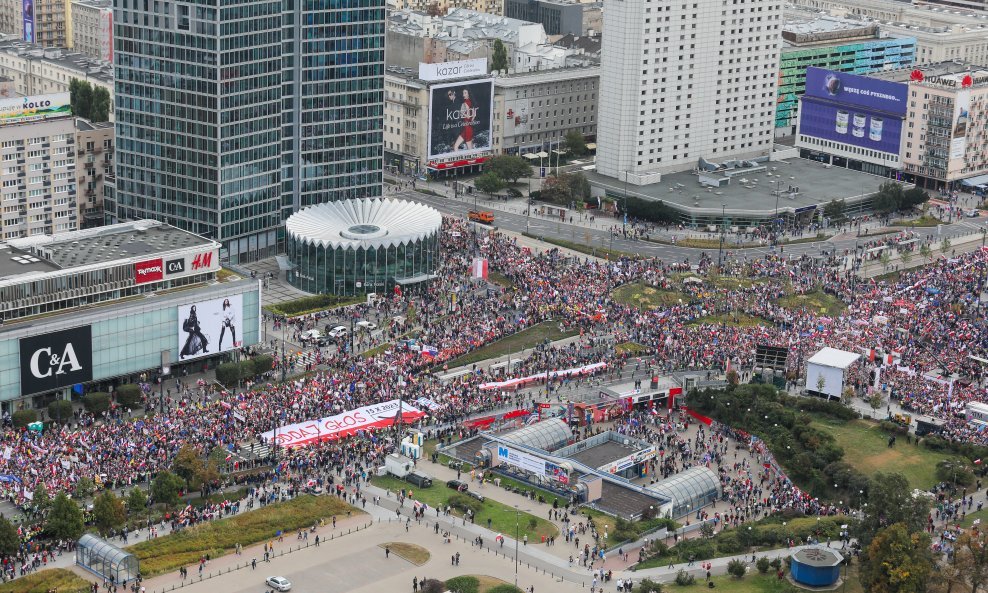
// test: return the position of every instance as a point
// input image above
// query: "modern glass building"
(361, 246)
(689, 490)
(231, 115)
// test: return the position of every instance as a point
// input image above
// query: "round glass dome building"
(364, 245)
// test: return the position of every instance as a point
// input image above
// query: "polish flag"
(479, 268)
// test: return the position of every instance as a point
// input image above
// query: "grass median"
(44, 581)
(641, 295)
(816, 301)
(601, 252)
(516, 342)
(731, 320)
(220, 537)
(502, 516)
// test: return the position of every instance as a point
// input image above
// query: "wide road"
(577, 233)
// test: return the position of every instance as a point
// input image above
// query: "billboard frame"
(487, 125)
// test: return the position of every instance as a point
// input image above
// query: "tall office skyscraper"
(232, 116)
(685, 79)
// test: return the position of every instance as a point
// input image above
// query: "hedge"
(21, 418)
(311, 304)
(96, 403)
(263, 363)
(464, 584)
(129, 396)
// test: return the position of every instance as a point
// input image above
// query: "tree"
(81, 97)
(876, 400)
(108, 512)
(188, 465)
(84, 488)
(489, 183)
(499, 56)
(944, 246)
(575, 143)
(41, 498)
(926, 252)
(888, 198)
(165, 488)
(130, 396)
(847, 396)
(9, 540)
(100, 108)
(762, 565)
(906, 255)
(971, 559)
(136, 501)
(60, 410)
(509, 167)
(897, 561)
(890, 501)
(555, 190)
(228, 374)
(21, 418)
(65, 519)
(96, 403)
(885, 258)
(707, 530)
(835, 209)
(737, 568)
(914, 197)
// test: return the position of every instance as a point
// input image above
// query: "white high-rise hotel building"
(684, 79)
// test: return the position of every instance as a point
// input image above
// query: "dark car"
(457, 485)
(479, 497)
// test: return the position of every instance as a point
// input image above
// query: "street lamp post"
(517, 519)
(723, 227)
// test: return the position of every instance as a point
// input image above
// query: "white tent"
(831, 364)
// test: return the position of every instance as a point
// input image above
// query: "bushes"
(695, 549)
(96, 403)
(229, 374)
(737, 568)
(651, 210)
(957, 472)
(431, 586)
(313, 303)
(684, 579)
(463, 503)
(129, 396)
(60, 410)
(762, 565)
(464, 584)
(650, 586)
(892, 427)
(263, 363)
(21, 418)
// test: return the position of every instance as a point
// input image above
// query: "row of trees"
(92, 103)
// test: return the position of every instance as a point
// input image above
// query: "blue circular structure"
(816, 567)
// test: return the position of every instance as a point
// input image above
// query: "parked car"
(366, 325)
(457, 485)
(419, 479)
(279, 583)
(311, 335)
(473, 494)
(337, 332)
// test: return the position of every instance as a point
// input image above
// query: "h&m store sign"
(157, 269)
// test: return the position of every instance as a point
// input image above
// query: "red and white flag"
(479, 268)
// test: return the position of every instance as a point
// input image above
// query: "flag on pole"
(429, 351)
(479, 268)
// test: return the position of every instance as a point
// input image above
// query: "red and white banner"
(479, 268)
(148, 271)
(522, 381)
(342, 425)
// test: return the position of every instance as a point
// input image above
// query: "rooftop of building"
(931, 20)
(460, 24)
(513, 79)
(947, 69)
(94, 3)
(752, 193)
(589, 44)
(84, 125)
(91, 68)
(77, 249)
(601, 454)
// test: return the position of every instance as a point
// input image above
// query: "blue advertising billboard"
(28, 19)
(865, 128)
(857, 91)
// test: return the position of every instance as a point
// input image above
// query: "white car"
(366, 325)
(337, 332)
(311, 334)
(279, 583)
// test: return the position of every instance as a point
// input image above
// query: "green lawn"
(217, 538)
(376, 350)
(632, 348)
(815, 301)
(500, 279)
(731, 320)
(501, 515)
(753, 582)
(637, 295)
(975, 515)
(516, 342)
(44, 581)
(313, 304)
(866, 448)
(922, 221)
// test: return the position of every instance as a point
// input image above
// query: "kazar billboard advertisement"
(858, 91)
(460, 118)
(210, 327)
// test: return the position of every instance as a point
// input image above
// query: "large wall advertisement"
(106, 35)
(516, 114)
(962, 116)
(27, 14)
(460, 118)
(56, 360)
(23, 109)
(855, 110)
(210, 327)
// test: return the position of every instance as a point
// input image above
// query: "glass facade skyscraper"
(231, 115)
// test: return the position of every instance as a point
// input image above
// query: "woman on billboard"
(468, 116)
(196, 342)
(229, 318)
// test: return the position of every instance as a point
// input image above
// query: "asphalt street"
(577, 232)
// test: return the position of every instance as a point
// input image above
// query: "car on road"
(366, 325)
(337, 332)
(457, 485)
(279, 583)
(311, 335)
(972, 213)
